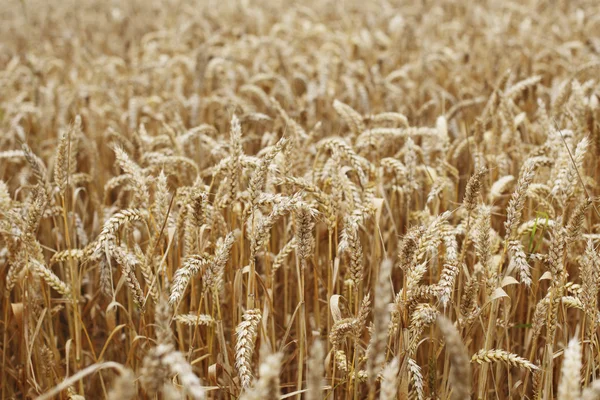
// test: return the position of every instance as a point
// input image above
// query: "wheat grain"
(381, 319)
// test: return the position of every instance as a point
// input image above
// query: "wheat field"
(330, 200)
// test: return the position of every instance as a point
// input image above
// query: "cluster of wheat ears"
(335, 200)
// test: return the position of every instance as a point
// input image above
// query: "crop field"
(253, 199)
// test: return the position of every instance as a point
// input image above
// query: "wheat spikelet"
(49, 277)
(423, 316)
(462, 105)
(473, 189)
(381, 319)
(322, 198)
(129, 264)
(590, 279)
(569, 386)
(409, 246)
(5, 200)
(12, 154)
(352, 118)
(592, 392)
(296, 129)
(82, 236)
(562, 96)
(123, 386)
(136, 177)
(264, 226)
(81, 179)
(246, 333)
(111, 227)
(35, 211)
(344, 151)
(410, 161)
(341, 329)
(497, 355)
(163, 361)
(304, 236)
(213, 278)
(450, 271)
(281, 257)
(350, 243)
(432, 236)
(341, 360)
(162, 318)
(446, 283)
(37, 165)
(541, 310)
(179, 366)
(518, 261)
(416, 377)
(342, 364)
(235, 168)
(351, 326)
(517, 202)
(267, 386)
(161, 199)
(194, 217)
(259, 176)
(498, 187)
(389, 117)
(556, 254)
(195, 320)
(395, 166)
(61, 162)
(389, 381)
(482, 236)
(191, 267)
(568, 179)
(49, 362)
(12, 276)
(316, 371)
(460, 373)
(575, 224)
(516, 89)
